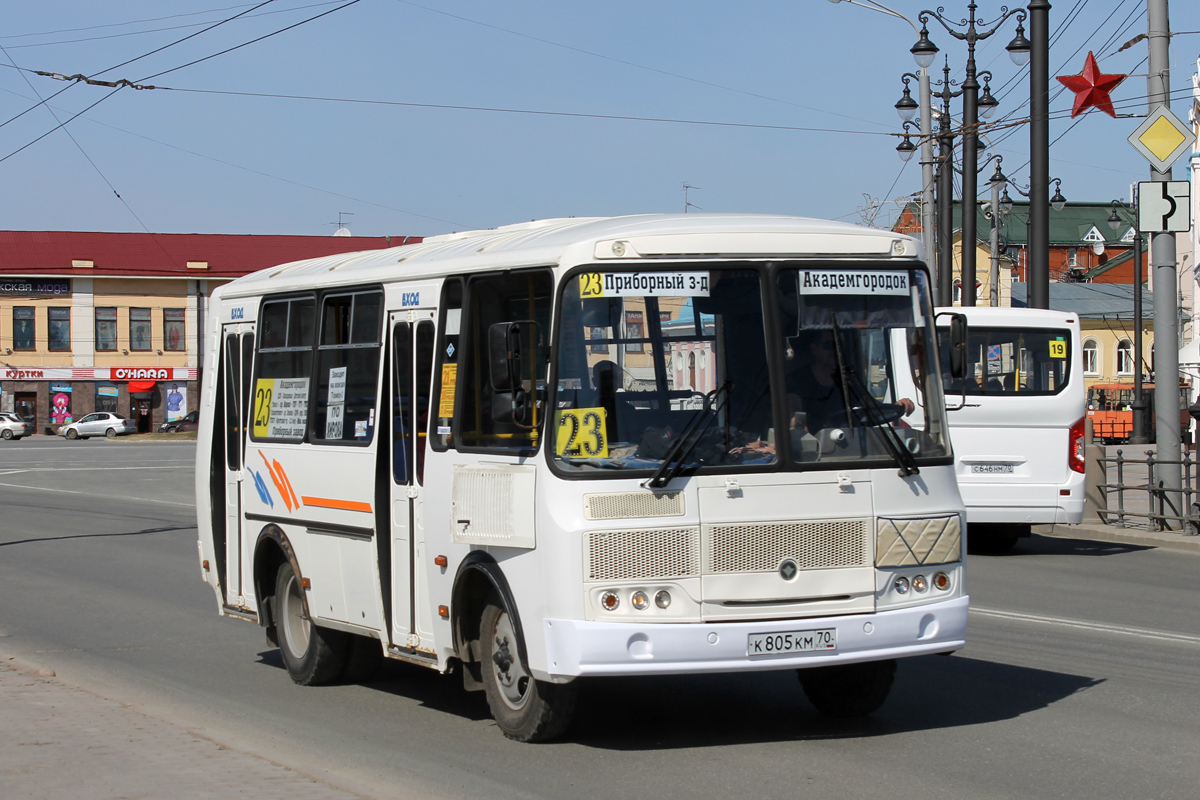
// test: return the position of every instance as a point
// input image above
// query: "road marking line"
(144, 466)
(1093, 626)
(56, 490)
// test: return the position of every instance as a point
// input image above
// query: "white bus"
(584, 447)
(1017, 421)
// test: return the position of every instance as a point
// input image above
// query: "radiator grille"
(633, 505)
(812, 545)
(642, 554)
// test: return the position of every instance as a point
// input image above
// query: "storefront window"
(106, 397)
(60, 328)
(174, 329)
(24, 327)
(139, 329)
(106, 331)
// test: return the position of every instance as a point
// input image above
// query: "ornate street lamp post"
(973, 105)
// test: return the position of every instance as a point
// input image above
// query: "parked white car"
(99, 423)
(13, 427)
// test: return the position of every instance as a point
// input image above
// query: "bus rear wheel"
(851, 690)
(525, 709)
(312, 655)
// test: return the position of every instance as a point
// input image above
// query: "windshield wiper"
(875, 415)
(683, 446)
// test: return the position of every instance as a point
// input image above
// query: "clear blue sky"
(209, 162)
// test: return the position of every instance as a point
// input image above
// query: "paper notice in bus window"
(853, 282)
(582, 433)
(280, 408)
(335, 399)
(449, 384)
(1058, 348)
(643, 284)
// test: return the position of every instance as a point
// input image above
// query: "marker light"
(662, 599)
(639, 601)
(609, 601)
(941, 581)
(901, 585)
(919, 584)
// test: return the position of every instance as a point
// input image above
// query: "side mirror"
(516, 355)
(958, 346)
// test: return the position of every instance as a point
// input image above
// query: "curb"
(1168, 540)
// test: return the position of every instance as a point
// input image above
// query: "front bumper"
(577, 647)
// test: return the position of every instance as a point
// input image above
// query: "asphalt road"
(1081, 677)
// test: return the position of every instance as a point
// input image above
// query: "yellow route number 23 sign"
(581, 433)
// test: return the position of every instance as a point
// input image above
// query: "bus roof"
(555, 241)
(1012, 317)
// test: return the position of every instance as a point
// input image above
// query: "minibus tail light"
(1075, 457)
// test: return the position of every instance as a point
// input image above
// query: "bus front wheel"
(525, 709)
(852, 690)
(312, 655)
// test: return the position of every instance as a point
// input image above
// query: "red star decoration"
(1091, 88)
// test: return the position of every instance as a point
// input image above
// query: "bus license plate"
(764, 644)
(992, 469)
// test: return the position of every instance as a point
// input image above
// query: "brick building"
(112, 321)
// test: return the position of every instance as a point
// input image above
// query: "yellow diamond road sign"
(1162, 138)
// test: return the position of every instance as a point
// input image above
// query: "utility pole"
(1162, 264)
(1039, 154)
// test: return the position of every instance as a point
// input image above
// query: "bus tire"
(312, 655)
(525, 709)
(851, 690)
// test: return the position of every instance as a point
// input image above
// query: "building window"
(60, 328)
(634, 329)
(139, 329)
(1091, 357)
(106, 330)
(24, 328)
(1073, 257)
(174, 329)
(1124, 357)
(106, 397)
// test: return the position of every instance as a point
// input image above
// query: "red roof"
(167, 254)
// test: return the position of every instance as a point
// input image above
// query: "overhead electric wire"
(121, 24)
(160, 30)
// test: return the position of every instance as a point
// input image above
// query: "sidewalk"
(65, 743)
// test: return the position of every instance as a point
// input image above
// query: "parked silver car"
(13, 427)
(99, 423)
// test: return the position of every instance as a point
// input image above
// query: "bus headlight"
(639, 601)
(901, 585)
(919, 584)
(662, 599)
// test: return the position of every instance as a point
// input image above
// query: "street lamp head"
(1113, 220)
(1058, 202)
(1006, 203)
(906, 107)
(987, 103)
(906, 148)
(924, 51)
(1019, 48)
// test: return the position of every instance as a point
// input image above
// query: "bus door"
(237, 353)
(412, 337)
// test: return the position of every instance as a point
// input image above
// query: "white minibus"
(659, 444)
(1017, 421)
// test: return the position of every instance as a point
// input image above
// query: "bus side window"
(486, 419)
(348, 353)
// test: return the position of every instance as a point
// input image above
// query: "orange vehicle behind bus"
(1110, 408)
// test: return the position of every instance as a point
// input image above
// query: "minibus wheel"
(850, 690)
(313, 655)
(525, 709)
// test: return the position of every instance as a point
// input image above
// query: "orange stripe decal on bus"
(344, 505)
(287, 482)
(279, 484)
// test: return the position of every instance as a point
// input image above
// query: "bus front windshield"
(680, 367)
